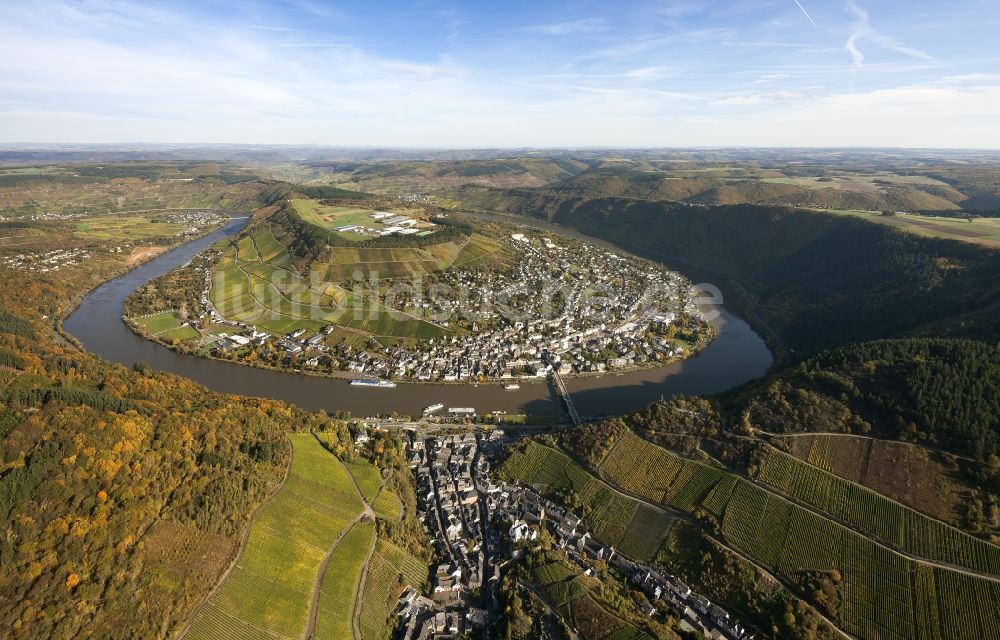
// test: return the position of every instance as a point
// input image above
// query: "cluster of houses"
(526, 511)
(46, 261)
(613, 313)
(452, 487)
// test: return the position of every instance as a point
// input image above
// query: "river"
(737, 355)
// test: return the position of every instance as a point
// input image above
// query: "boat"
(437, 406)
(378, 384)
(512, 387)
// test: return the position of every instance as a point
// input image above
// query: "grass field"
(269, 591)
(160, 322)
(335, 615)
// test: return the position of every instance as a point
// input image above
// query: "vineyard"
(614, 519)
(269, 591)
(335, 614)
(571, 594)
(389, 572)
(644, 469)
(888, 521)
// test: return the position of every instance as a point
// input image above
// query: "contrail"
(805, 12)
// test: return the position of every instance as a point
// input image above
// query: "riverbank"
(735, 356)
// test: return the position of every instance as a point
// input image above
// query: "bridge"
(564, 394)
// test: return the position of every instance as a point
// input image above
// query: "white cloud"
(585, 25)
(756, 98)
(861, 30)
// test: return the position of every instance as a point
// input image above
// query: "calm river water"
(737, 355)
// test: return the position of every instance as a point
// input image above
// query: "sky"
(670, 73)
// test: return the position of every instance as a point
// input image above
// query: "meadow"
(269, 591)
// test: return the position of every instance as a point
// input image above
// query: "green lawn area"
(160, 322)
(269, 591)
(181, 333)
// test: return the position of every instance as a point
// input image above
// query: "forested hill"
(944, 393)
(817, 280)
(122, 492)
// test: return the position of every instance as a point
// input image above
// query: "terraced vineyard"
(646, 470)
(254, 282)
(614, 519)
(387, 505)
(571, 594)
(882, 594)
(335, 612)
(886, 520)
(390, 571)
(269, 591)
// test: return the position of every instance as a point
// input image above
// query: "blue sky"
(914, 73)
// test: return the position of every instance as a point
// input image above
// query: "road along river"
(737, 355)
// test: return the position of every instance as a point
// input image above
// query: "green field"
(884, 519)
(390, 571)
(577, 599)
(335, 614)
(160, 322)
(269, 591)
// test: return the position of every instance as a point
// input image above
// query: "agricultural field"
(125, 227)
(921, 479)
(83, 189)
(644, 469)
(877, 588)
(254, 282)
(332, 218)
(613, 518)
(387, 505)
(886, 520)
(984, 231)
(575, 597)
(341, 583)
(367, 477)
(269, 591)
(390, 571)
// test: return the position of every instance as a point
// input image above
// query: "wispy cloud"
(862, 30)
(805, 12)
(585, 25)
(757, 98)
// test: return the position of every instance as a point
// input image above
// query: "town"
(573, 308)
(478, 526)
